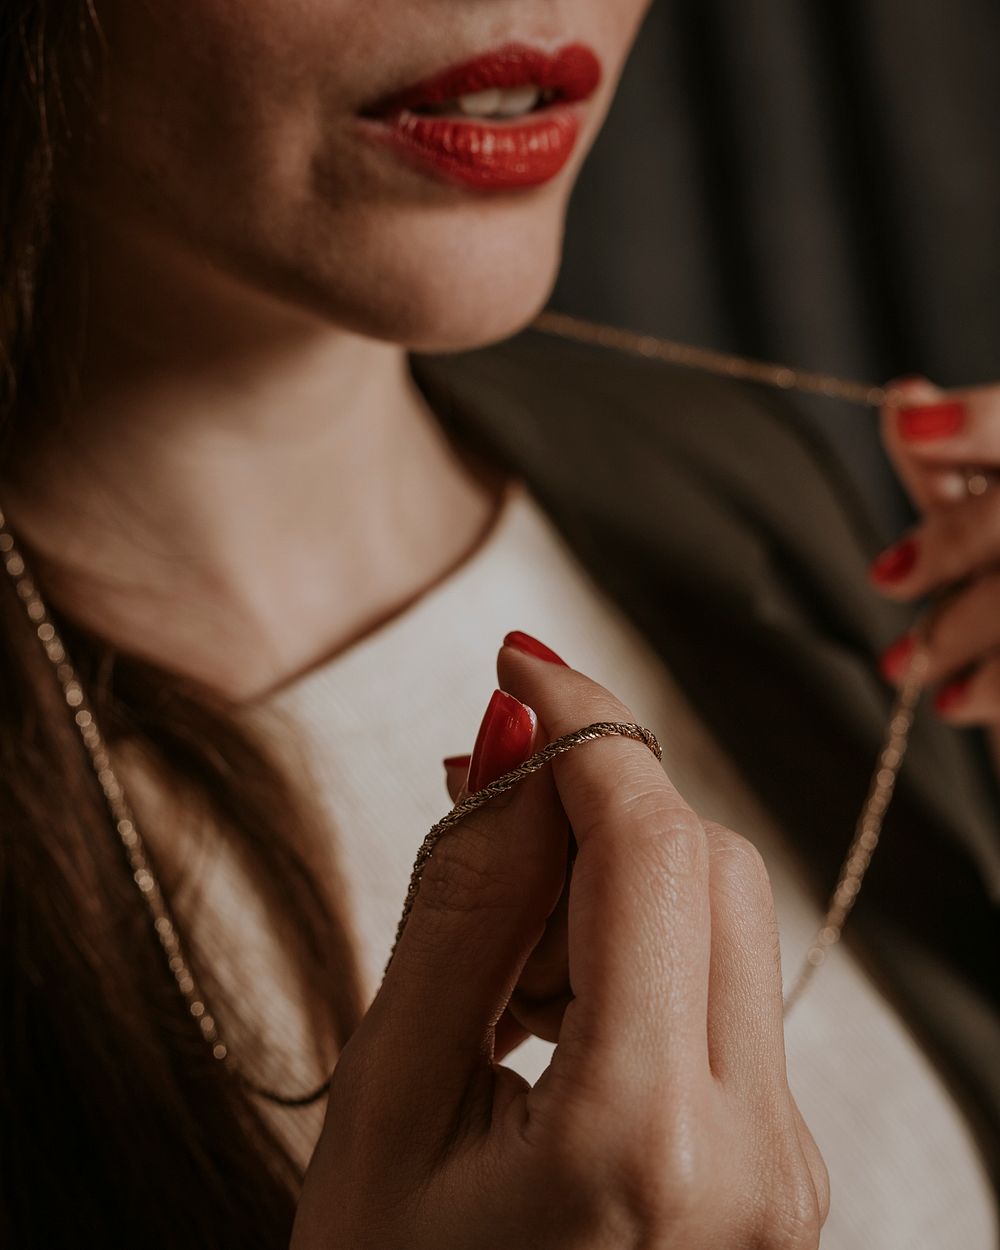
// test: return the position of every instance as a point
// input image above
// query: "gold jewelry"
(868, 829)
(562, 325)
(977, 480)
(499, 785)
(869, 823)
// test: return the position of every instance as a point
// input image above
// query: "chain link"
(562, 325)
(868, 829)
(140, 863)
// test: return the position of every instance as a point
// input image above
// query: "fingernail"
(894, 563)
(930, 421)
(524, 642)
(895, 658)
(456, 772)
(950, 696)
(503, 740)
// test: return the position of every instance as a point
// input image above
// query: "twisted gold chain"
(500, 785)
(868, 829)
(725, 365)
(140, 863)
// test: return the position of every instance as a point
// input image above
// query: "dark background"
(810, 181)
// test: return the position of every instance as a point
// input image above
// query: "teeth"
(481, 103)
(516, 100)
(499, 102)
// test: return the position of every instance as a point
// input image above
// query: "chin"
(439, 305)
(444, 281)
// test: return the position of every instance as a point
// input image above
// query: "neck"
(240, 489)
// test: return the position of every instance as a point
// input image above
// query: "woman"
(227, 227)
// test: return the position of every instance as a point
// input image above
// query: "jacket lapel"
(740, 551)
(725, 535)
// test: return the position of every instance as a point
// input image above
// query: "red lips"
(492, 154)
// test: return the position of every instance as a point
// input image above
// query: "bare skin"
(250, 481)
(240, 510)
(664, 1119)
(935, 439)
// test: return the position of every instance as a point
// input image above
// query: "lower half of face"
(398, 167)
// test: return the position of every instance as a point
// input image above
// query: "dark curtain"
(810, 181)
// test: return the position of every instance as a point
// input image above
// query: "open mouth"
(504, 120)
(494, 103)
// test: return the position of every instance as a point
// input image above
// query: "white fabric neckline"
(375, 721)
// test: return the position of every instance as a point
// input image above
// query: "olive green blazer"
(739, 547)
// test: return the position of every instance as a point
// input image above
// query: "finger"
(963, 630)
(539, 999)
(483, 899)
(456, 770)
(974, 697)
(929, 485)
(746, 1011)
(638, 934)
(508, 1035)
(543, 989)
(814, 1161)
(948, 546)
(954, 429)
(746, 1041)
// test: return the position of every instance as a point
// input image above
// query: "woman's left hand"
(946, 448)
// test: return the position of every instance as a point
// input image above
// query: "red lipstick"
(494, 153)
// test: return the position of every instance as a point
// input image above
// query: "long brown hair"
(117, 1127)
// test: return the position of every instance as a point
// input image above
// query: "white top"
(375, 722)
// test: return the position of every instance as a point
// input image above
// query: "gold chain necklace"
(867, 830)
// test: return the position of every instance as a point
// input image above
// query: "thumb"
(481, 906)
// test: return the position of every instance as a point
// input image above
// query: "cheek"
(202, 87)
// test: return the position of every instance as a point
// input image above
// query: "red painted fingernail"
(524, 642)
(503, 740)
(950, 696)
(895, 658)
(930, 421)
(456, 761)
(894, 564)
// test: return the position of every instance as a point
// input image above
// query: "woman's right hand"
(664, 1118)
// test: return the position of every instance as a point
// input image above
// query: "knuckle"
(948, 542)
(655, 1162)
(795, 1219)
(662, 1177)
(964, 623)
(667, 1186)
(821, 1184)
(664, 842)
(737, 865)
(666, 1178)
(960, 538)
(647, 820)
(465, 874)
(945, 635)
(792, 1206)
(659, 816)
